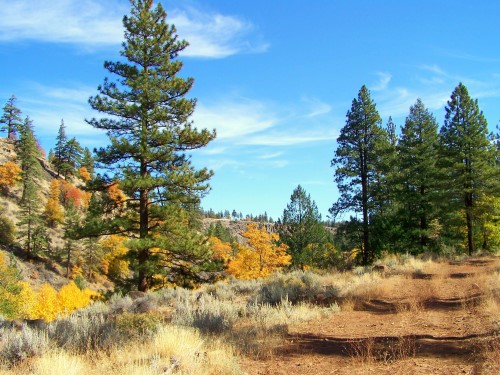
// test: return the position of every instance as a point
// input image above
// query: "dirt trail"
(438, 324)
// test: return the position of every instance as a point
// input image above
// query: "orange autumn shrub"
(116, 194)
(75, 196)
(84, 174)
(10, 173)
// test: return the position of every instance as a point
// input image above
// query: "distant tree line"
(237, 215)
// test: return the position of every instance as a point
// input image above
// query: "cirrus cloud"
(95, 24)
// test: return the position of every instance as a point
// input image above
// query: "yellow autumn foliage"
(221, 250)
(114, 264)
(71, 298)
(84, 174)
(46, 306)
(262, 257)
(25, 301)
(10, 173)
(53, 210)
(19, 301)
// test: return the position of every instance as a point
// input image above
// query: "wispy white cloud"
(242, 121)
(235, 118)
(47, 105)
(383, 81)
(316, 107)
(271, 155)
(213, 150)
(290, 138)
(471, 57)
(434, 87)
(215, 35)
(86, 22)
(278, 163)
(93, 23)
(220, 163)
(433, 68)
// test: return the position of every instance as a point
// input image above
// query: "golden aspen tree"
(10, 173)
(71, 298)
(46, 306)
(25, 301)
(262, 257)
(114, 263)
(221, 250)
(84, 174)
(53, 210)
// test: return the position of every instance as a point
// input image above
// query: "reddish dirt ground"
(435, 322)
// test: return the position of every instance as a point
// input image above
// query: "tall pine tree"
(356, 160)
(418, 177)
(467, 157)
(60, 149)
(28, 153)
(150, 132)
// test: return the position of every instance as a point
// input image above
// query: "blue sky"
(275, 78)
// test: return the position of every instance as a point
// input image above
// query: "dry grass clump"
(294, 286)
(367, 351)
(207, 313)
(366, 286)
(406, 264)
(171, 350)
(17, 346)
(58, 362)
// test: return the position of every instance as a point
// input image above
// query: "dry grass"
(59, 363)
(171, 350)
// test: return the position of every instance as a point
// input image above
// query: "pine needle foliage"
(150, 132)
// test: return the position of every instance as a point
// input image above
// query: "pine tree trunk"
(28, 247)
(468, 218)
(68, 260)
(423, 223)
(143, 255)
(364, 202)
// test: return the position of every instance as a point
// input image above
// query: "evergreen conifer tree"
(467, 157)
(60, 149)
(418, 177)
(28, 153)
(72, 157)
(150, 132)
(11, 118)
(88, 160)
(356, 159)
(302, 230)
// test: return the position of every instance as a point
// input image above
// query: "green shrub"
(134, 326)
(7, 231)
